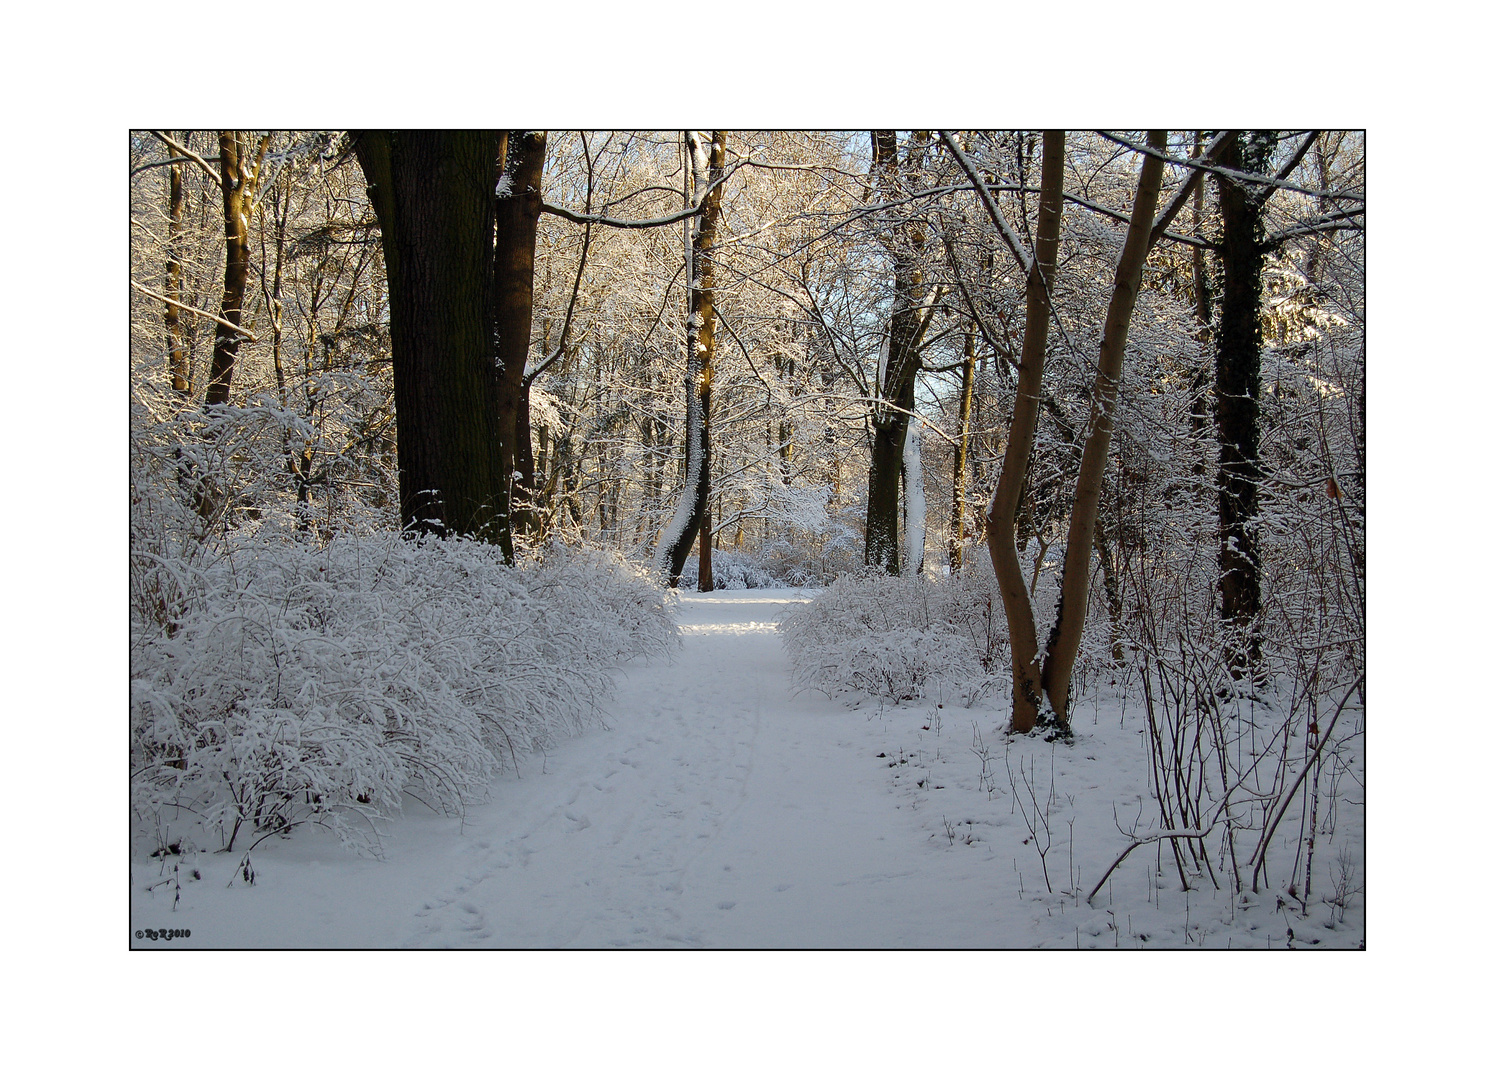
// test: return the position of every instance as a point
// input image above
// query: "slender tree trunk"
(434, 194)
(240, 176)
(1074, 596)
(1237, 390)
(176, 349)
(1001, 515)
(958, 481)
(518, 216)
(707, 166)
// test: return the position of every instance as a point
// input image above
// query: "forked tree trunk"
(1074, 596)
(1001, 515)
(707, 166)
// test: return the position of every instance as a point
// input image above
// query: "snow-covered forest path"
(717, 811)
(713, 809)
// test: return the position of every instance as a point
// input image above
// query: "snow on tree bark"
(707, 166)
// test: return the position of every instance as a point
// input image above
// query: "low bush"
(899, 638)
(275, 683)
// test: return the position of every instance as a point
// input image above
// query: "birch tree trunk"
(707, 165)
(1074, 596)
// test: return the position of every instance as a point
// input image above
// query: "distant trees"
(488, 333)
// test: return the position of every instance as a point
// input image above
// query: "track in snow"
(716, 811)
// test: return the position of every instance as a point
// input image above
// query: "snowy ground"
(717, 810)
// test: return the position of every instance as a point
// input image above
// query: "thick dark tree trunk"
(518, 215)
(434, 194)
(1199, 406)
(898, 368)
(1238, 386)
(707, 165)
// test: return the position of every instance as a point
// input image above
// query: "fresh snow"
(717, 810)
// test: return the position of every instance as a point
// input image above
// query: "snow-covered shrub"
(288, 683)
(731, 570)
(898, 638)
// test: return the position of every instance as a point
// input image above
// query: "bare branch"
(176, 147)
(581, 265)
(196, 311)
(1210, 155)
(1332, 223)
(1230, 174)
(1298, 155)
(650, 223)
(1024, 259)
(616, 223)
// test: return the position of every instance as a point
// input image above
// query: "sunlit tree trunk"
(240, 177)
(1001, 516)
(1074, 597)
(176, 350)
(707, 164)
